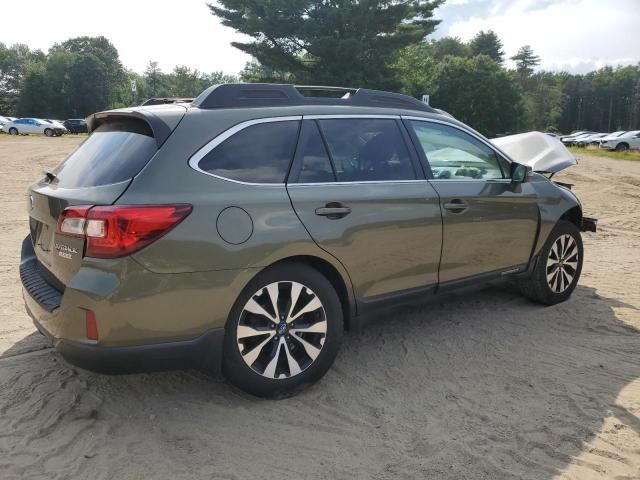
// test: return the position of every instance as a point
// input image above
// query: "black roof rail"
(238, 95)
(166, 100)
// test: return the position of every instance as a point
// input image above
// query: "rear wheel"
(622, 147)
(558, 267)
(284, 331)
(13, 131)
(48, 132)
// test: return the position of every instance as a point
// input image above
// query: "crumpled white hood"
(535, 149)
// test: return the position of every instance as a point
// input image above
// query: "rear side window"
(114, 152)
(367, 149)
(260, 153)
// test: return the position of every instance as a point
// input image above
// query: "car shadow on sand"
(478, 384)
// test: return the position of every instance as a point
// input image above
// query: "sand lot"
(479, 385)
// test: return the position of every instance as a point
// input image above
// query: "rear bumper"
(204, 351)
(175, 321)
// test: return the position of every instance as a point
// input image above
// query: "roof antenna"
(425, 99)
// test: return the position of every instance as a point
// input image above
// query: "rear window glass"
(115, 151)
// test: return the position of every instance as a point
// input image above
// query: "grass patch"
(600, 152)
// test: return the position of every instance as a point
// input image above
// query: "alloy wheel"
(562, 263)
(281, 330)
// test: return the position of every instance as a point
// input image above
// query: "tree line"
(380, 44)
(84, 75)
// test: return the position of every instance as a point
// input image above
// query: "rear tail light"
(119, 230)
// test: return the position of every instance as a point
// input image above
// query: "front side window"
(259, 153)
(367, 149)
(455, 155)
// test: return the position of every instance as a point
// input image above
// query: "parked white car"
(574, 135)
(570, 140)
(57, 123)
(626, 141)
(611, 136)
(26, 126)
(589, 139)
(3, 122)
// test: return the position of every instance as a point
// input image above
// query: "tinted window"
(454, 154)
(366, 149)
(315, 165)
(114, 152)
(258, 154)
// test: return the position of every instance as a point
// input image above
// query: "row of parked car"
(45, 126)
(621, 140)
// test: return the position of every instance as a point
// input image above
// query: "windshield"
(115, 151)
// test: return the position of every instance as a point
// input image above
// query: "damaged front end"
(545, 155)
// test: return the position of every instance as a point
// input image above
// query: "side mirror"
(519, 172)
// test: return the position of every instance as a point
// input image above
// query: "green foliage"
(15, 61)
(525, 60)
(476, 91)
(77, 77)
(329, 42)
(487, 43)
(438, 49)
(600, 152)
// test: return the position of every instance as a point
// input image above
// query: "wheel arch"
(337, 279)
(573, 215)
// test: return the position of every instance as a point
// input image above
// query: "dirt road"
(480, 385)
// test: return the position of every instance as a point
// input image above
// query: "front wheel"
(283, 332)
(558, 266)
(13, 131)
(48, 132)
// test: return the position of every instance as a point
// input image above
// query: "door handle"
(333, 211)
(456, 206)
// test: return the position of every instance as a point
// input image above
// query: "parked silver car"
(28, 126)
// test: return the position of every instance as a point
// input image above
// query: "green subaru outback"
(251, 227)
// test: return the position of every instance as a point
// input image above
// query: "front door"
(489, 226)
(362, 196)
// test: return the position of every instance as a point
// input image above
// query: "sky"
(572, 35)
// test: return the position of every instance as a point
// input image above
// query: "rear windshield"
(115, 151)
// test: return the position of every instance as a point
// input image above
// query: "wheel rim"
(562, 263)
(281, 330)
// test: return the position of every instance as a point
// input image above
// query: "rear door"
(96, 173)
(489, 225)
(357, 187)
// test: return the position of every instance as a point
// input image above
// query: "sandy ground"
(479, 385)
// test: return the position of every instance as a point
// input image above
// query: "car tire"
(622, 147)
(48, 132)
(298, 345)
(13, 131)
(558, 266)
